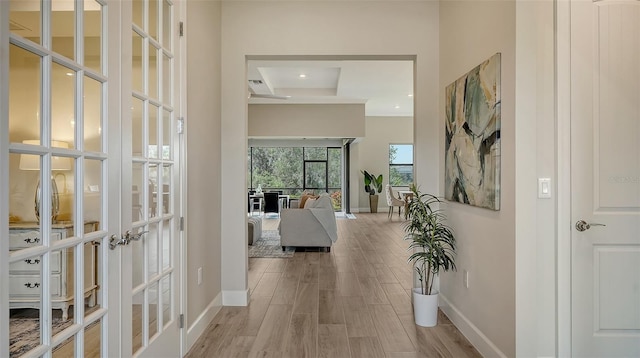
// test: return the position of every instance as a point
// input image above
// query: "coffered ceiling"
(385, 86)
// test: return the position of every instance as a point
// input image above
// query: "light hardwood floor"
(352, 302)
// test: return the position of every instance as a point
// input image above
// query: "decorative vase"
(373, 203)
(425, 308)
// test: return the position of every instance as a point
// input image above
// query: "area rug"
(25, 333)
(269, 246)
(24, 328)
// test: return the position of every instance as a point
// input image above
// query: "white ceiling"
(386, 87)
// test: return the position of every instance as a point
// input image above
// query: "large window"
(292, 170)
(276, 168)
(400, 164)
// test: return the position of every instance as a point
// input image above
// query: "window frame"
(392, 165)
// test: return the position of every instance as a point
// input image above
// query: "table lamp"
(32, 162)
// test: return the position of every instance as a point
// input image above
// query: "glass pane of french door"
(154, 175)
(57, 178)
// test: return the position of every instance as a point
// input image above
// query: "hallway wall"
(470, 33)
(510, 306)
(203, 137)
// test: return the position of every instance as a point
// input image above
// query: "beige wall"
(470, 33)
(510, 254)
(306, 120)
(203, 130)
(371, 153)
(361, 28)
(536, 149)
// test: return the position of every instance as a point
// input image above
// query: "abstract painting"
(472, 144)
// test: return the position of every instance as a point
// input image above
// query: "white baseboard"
(202, 322)
(235, 298)
(469, 330)
(381, 209)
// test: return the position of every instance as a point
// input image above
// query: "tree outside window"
(400, 164)
(284, 169)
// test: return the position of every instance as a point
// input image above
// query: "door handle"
(114, 241)
(582, 225)
(134, 237)
(125, 239)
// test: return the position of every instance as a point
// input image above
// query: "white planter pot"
(425, 308)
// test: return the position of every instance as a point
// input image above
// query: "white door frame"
(181, 72)
(563, 145)
(4, 177)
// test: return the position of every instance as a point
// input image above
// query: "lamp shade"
(32, 162)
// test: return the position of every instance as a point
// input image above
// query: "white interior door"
(151, 181)
(605, 178)
(61, 213)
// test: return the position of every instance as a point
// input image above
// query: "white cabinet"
(25, 276)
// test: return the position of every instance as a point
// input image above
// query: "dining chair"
(255, 204)
(271, 203)
(392, 201)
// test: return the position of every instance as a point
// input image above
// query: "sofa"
(314, 225)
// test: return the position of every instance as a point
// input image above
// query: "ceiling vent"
(259, 89)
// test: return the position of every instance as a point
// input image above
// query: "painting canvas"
(472, 149)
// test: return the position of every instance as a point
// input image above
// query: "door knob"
(582, 225)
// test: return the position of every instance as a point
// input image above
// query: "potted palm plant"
(371, 184)
(432, 246)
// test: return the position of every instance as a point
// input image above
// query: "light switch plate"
(544, 188)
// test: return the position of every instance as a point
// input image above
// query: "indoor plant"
(432, 251)
(371, 184)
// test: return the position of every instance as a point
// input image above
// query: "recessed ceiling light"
(69, 74)
(396, 107)
(410, 95)
(302, 75)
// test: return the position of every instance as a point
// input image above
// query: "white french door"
(151, 180)
(89, 152)
(605, 178)
(58, 144)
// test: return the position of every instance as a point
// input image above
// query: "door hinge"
(180, 125)
(181, 29)
(181, 320)
(181, 225)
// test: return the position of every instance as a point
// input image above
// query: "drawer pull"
(32, 261)
(32, 285)
(32, 241)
